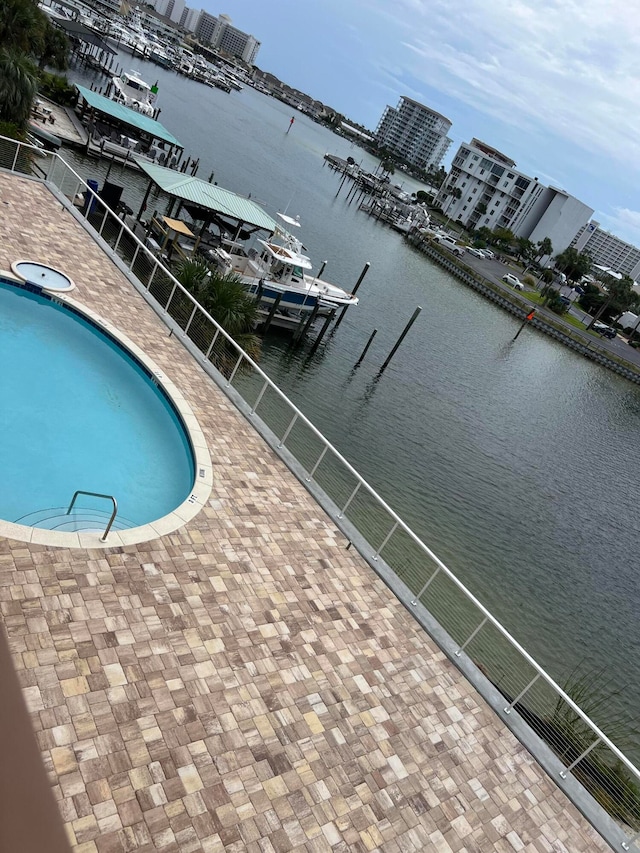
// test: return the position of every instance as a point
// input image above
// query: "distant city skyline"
(552, 85)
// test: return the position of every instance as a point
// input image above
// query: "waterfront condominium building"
(220, 34)
(190, 18)
(171, 9)
(415, 133)
(607, 250)
(484, 188)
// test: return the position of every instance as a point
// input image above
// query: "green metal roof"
(208, 196)
(127, 116)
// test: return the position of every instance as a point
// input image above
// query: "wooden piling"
(365, 270)
(401, 338)
(364, 351)
(271, 313)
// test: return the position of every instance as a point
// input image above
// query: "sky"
(553, 84)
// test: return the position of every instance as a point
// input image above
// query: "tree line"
(29, 43)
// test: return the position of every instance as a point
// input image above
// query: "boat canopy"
(125, 115)
(75, 29)
(287, 255)
(206, 200)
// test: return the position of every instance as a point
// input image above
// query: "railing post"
(288, 430)
(318, 461)
(117, 243)
(235, 369)
(135, 257)
(414, 601)
(153, 272)
(385, 540)
(515, 701)
(260, 395)
(173, 290)
(104, 221)
(471, 636)
(351, 497)
(563, 773)
(193, 314)
(211, 345)
(15, 157)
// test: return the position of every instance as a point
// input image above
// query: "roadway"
(494, 270)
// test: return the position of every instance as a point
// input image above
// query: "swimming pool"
(84, 409)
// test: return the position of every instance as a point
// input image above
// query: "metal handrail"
(111, 498)
(397, 521)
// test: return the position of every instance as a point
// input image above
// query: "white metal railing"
(583, 748)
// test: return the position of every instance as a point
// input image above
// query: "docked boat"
(132, 91)
(276, 269)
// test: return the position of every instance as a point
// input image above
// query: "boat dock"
(60, 121)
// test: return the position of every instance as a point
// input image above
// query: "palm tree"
(545, 248)
(21, 26)
(225, 298)
(55, 49)
(18, 86)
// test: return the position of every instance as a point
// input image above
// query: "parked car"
(604, 330)
(565, 301)
(477, 253)
(487, 253)
(513, 280)
(579, 290)
(449, 243)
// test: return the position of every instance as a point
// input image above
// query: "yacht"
(132, 91)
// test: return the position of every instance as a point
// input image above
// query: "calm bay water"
(514, 462)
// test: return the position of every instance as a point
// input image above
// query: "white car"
(487, 253)
(513, 280)
(447, 242)
(477, 253)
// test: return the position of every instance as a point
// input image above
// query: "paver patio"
(246, 683)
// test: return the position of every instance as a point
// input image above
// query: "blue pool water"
(79, 413)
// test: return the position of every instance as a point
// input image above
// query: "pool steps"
(82, 519)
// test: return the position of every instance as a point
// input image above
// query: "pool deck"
(246, 683)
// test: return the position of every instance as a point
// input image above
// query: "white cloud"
(567, 68)
(623, 222)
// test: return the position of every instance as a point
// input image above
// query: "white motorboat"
(278, 268)
(132, 91)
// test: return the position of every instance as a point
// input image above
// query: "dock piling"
(272, 311)
(400, 339)
(365, 270)
(364, 351)
(323, 330)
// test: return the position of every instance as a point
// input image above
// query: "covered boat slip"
(234, 217)
(116, 129)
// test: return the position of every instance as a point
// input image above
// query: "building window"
(511, 176)
(469, 199)
(475, 190)
(482, 171)
(465, 207)
(492, 212)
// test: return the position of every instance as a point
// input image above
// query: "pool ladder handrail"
(111, 498)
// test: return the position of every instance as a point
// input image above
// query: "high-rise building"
(607, 250)
(220, 34)
(190, 18)
(484, 188)
(415, 133)
(206, 28)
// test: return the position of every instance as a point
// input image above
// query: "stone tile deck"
(246, 683)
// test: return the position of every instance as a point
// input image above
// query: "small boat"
(277, 268)
(132, 91)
